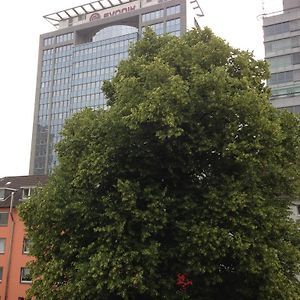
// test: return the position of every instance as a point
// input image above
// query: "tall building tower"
(282, 51)
(89, 42)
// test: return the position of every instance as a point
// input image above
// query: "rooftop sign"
(111, 8)
(114, 11)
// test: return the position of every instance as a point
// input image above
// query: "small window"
(21, 298)
(25, 275)
(2, 245)
(26, 246)
(3, 218)
(1, 273)
(2, 193)
(81, 17)
(27, 192)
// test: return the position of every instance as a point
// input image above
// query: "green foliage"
(190, 171)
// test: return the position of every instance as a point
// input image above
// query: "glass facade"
(73, 67)
(282, 52)
(71, 79)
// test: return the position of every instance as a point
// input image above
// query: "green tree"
(190, 171)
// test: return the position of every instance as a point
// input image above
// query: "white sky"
(21, 23)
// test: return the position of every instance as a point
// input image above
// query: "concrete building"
(282, 51)
(14, 246)
(89, 42)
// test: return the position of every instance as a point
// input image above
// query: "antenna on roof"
(263, 7)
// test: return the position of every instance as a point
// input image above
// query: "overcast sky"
(21, 23)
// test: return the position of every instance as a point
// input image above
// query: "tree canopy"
(189, 175)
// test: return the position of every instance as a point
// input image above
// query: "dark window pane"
(3, 218)
(25, 275)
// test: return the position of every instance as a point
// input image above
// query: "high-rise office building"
(282, 51)
(89, 42)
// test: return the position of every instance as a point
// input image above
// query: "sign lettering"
(119, 11)
(113, 11)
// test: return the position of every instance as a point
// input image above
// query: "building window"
(153, 15)
(20, 298)
(282, 44)
(48, 41)
(2, 245)
(26, 246)
(2, 193)
(25, 275)
(280, 61)
(26, 193)
(282, 77)
(3, 218)
(277, 28)
(296, 58)
(173, 26)
(65, 37)
(158, 28)
(1, 273)
(115, 31)
(173, 10)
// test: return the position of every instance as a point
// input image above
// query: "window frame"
(28, 194)
(23, 269)
(4, 224)
(26, 244)
(2, 198)
(4, 245)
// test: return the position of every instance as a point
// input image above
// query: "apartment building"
(14, 245)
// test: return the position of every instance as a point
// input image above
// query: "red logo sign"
(95, 16)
